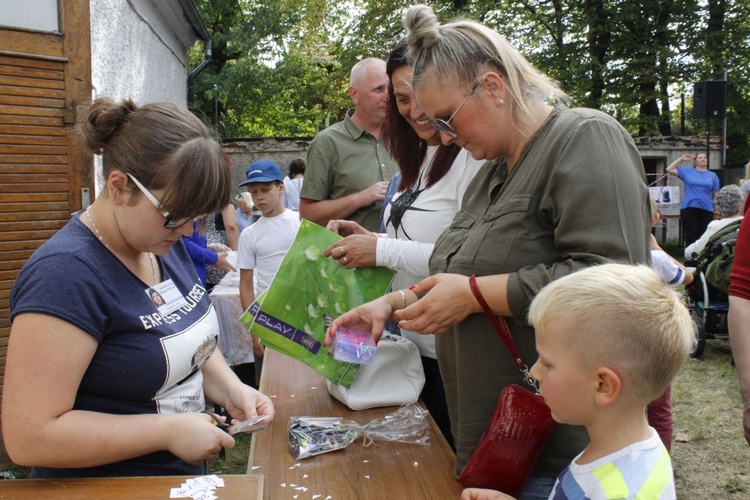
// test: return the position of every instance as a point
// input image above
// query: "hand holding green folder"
(308, 290)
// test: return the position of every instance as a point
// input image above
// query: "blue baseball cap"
(262, 171)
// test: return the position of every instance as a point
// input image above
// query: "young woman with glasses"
(100, 380)
(564, 189)
(433, 180)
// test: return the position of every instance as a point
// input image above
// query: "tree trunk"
(663, 71)
(598, 45)
(715, 37)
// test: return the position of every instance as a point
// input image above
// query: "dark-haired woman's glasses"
(445, 125)
(171, 222)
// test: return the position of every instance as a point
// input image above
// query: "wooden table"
(388, 470)
(236, 487)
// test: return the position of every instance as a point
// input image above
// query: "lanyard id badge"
(166, 297)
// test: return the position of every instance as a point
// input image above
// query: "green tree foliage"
(281, 67)
(618, 56)
(722, 43)
(271, 74)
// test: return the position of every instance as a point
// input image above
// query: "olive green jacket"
(576, 197)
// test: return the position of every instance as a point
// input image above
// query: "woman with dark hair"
(293, 183)
(432, 184)
(222, 236)
(156, 297)
(117, 385)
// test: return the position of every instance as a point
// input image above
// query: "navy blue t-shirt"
(146, 362)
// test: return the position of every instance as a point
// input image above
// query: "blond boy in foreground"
(610, 339)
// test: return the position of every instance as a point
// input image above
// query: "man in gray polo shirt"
(348, 168)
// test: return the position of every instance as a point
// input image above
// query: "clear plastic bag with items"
(310, 436)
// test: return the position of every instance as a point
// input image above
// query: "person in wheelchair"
(728, 204)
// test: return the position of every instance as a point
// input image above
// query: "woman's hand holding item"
(448, 302)
(194, 438)
(370, 317)
(218, 247)
(244, 403)
(239, 400)
(222, 262)
(345, 227)
(356, 250)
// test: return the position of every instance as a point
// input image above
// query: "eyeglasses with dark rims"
(171, 222)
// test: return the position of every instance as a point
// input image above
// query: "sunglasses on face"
(444, 126)
(171, 222)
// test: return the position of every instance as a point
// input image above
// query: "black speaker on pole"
(709, 99)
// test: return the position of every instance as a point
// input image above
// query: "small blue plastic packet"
(354, 346)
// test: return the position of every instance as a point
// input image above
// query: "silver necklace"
(151, 256)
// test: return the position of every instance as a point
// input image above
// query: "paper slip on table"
(388, 470)
(236, 487)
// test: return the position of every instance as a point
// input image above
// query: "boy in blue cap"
(262, 245)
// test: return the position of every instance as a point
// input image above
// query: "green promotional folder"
(308, 291)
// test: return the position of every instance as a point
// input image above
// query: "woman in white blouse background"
(293, 183)
(433, 180)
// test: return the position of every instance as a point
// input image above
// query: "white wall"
(135, 53)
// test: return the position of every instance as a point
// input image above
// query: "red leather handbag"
(518, 430)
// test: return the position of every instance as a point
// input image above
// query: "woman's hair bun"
(104, 120)
(422, 27)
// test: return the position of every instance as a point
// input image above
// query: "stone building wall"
(243, 152)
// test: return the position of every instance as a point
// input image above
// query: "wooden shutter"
(44, 79)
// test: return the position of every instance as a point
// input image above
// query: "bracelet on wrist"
(403, 297)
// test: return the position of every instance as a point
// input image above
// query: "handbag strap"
(501, 327)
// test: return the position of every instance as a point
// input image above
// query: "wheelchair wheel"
(699, 335)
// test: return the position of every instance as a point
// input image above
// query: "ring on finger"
(343, 252)
(345, 260)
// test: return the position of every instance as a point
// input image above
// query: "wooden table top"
(388, 470)
(236, 487)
